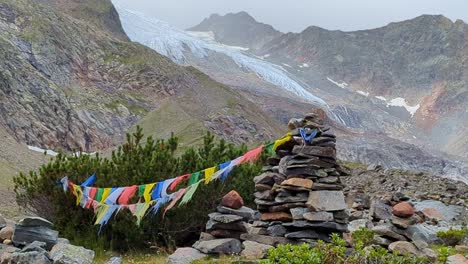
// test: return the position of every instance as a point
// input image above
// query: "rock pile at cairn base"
(300, 194)
(32, 240)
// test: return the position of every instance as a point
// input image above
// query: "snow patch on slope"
(341, 85)
(400, 102)
(173, 42)
(366, 94)
(46, 151)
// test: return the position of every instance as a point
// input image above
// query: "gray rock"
(380, 210)
(35, 246)
(70, 254)
(185, 255)
(235, 226)
(254, 250)
(329, 179)
(388, 231)
(264, 195)
(449, 212)
(285, 207)
(374, 167)
(307, 234)
(420, 244)
(357, 224)
(27, 234)
(63, 240)
(320, 226)
(35, 221)
(268, 178)
(277, 230)
(247, 213)
(114, 260)
(382, 241)
(267, 240)
(424, 232)
(326, 201)
(298, 212)
(260, 224)
(28, 257)
(225, 218)
(403, 222)
(219, 246)
(318, 216)
(257, 230)
(206, 236)
(324, 186)
(299, 197)
(325, 152)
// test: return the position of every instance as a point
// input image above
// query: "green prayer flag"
(189, 194)
(194, 178)
(99, 193)
(141, 190)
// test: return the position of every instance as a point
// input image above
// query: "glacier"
(173, 43)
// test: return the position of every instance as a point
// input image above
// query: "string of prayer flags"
(194, 178)
(189, 194)
(166, 185)
(140, 211)
(64, 182)
(177, 181)
(175, 199)
(90, 181)
(209, 174)
(109, 201)
(106, 192)
(160, 203)
(252, 155)
(112, 198)
(127, 194)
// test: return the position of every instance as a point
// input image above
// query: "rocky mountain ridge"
(78, 84)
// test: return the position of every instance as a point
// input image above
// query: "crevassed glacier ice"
(172, 42)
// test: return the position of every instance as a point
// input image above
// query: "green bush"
(135, 163)
(364, 236)
(452, 236)
(335, 253)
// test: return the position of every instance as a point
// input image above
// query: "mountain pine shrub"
(135, 163)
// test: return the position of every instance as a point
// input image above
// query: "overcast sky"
(296, 15)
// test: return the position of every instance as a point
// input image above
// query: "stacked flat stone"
(225, 227)
(300, 194)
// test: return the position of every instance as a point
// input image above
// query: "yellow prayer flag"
(283, 140)
(147, 193)
(78, 193)
(209, 173)
(105, 194)
(102, 210)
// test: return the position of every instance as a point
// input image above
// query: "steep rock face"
(238, 29)
(66, 83)
(101, 14)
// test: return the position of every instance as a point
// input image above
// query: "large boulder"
(254, 250)
(185, 255)
(70, 254)
(232, 200)
(29, 257)
(424, 232)
(326, 201)
(219, 246)
(436, 209)
(32, 229)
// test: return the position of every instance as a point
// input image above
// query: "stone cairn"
(300, 194)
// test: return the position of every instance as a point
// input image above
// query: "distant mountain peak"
(238, 29)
